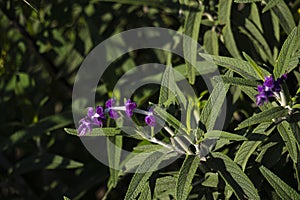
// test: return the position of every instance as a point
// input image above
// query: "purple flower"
(150, 120)
(129, 107)
(85, 126)
(261, 98)
(269, 83)
(260, 88)
(92, 118)
(112, 113)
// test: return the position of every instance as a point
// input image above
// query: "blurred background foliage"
(42, 46)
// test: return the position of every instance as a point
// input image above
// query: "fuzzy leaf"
(232, 174)
(191, 29)
(239, 66)
(143, 172)
(186, 174)
(114, 148)
(285, 54)
(213, 106)
(270, 5)
(248, 147)
(256, 68)
(290, 141)
(265, 116)
(224, 135)
(284, 15)
(237, 81)
(280, 187)
(224, 16)
(96, 132)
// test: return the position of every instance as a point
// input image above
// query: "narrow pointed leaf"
(114, 148)
(224, 16)
(289, 139)
(186, 174)
(213, 107)
(143, 172)
(237, 81)
(232, 174)
(45, 161)
(270, 5)
(239, 66)
(96, 132)
(46, 124)
(224, 135)
(191, 29)
(248, 147)
(167, 89)
(265, 116)
(285, 54)
(256, 68)
(280, 187)
(284, 15)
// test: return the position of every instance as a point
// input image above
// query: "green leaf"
(265, 116)
(210, 43)
(270, 5)
(223, 135)
(285, 54)
(45, 125)
(165, 187)
(239, 66)
(170, 119)
(288, 137)
(248, 147)
(255, 16)
(146, 193)
(191, 29)
(213, 106)
(96, 132)
(168, 87)
(237, 81)
(284, 15)
(45, 161)
(256, 68)
(211, 179)
(114, 148)
(246, 1)
(224, 18)
(232, 174)
(66, 198)
(186, 174)
(280, 187)
(143, 172)
(259, 41)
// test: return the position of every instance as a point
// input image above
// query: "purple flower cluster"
(92, 118)
(268, 89)
(95, 118)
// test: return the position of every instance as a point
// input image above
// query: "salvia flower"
(93, 118)
(269, 88)
(129, 107)
(150, 119)
(109, 105)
